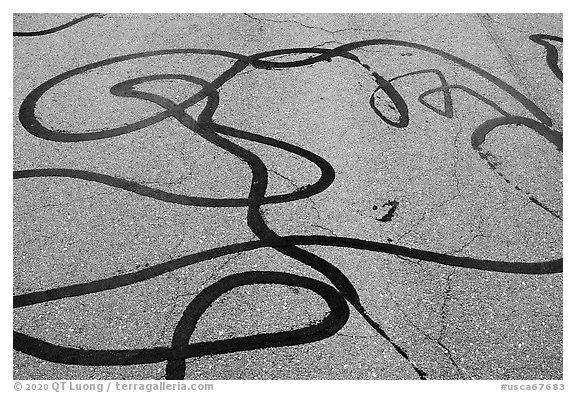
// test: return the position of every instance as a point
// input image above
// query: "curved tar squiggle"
(551, 52)
(53, 29)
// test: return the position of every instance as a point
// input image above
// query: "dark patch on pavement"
(393, 205)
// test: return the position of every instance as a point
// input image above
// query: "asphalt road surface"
(250, 196)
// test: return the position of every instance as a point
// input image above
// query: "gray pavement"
(436, 233)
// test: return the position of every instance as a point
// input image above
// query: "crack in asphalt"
(292, 182)
(493, 163)
(515, 66)
(311, 203)
(249, 71)
(351, 335)
(371, 49)
(448, 280)
(338, 31)
(178, 296)
(447, 297)
(174, 249)
(437, 341)
(174, 182)
(445, 300)
(69, 202)
(325, 229)
(333, 32)
(319, 218)
(443, 316)
(490, 18)
(455, 143)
